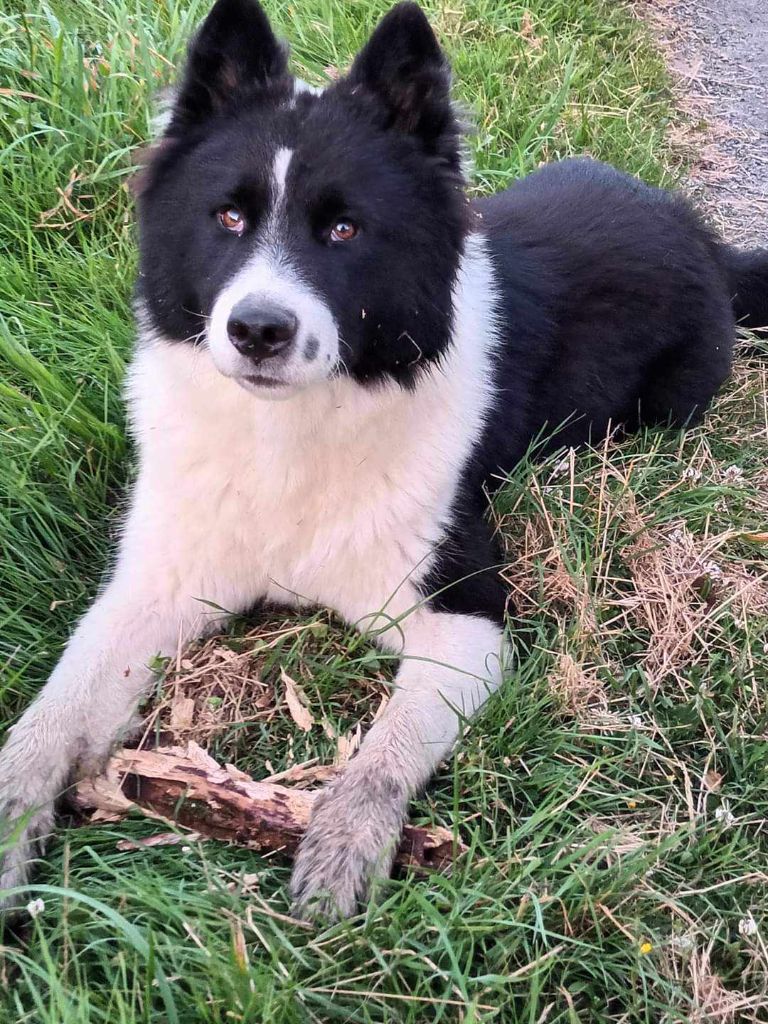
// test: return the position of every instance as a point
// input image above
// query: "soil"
(718, 52)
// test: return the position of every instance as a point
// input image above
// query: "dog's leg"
(450, 665)
(155, 601)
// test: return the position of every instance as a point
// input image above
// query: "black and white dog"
(338, 355)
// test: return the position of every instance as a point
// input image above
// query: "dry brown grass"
(218, 687)
(590, 555)
(679, 592)
(211, 687)
(688, 960)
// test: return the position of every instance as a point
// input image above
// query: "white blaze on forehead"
(300, 86)
(280, 171)
(271, 278)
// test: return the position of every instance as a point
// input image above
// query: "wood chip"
(297, 708)
(347, 745)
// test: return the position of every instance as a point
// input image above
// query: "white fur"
(450, 664)
(165, 101)
(269, 278)
(280, 172)
(335, 498)
(300, 86)
(306, 492)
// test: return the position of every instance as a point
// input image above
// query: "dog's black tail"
(749, 286)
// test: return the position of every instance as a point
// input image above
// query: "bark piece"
(186, 786)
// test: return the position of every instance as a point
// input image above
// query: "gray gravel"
(719, 51)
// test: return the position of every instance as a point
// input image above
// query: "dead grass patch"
(220, 685)
(578, 689)
(586, 550)
(679, 590)
(689, 963)
(211, 687)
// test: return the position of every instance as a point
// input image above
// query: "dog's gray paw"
(351, 840)
(35, 765)
(22, 840)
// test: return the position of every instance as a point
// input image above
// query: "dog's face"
(299, 234)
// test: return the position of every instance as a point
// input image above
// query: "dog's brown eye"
(343, 231)
(232, 219)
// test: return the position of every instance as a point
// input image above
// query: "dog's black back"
(615, 306)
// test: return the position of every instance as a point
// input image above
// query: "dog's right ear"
(403, 66)
(233, 52)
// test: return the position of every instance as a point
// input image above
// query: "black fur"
(617, 304)
(616, 310)
(749, 287)
(381, 148)
(403, 69)
(233, 58)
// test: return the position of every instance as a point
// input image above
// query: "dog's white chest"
(335, 497)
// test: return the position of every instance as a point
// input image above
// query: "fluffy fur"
(344, 460)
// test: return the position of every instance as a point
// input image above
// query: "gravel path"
(718, 50)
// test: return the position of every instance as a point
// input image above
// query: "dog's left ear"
(233, 52)
(403, 66)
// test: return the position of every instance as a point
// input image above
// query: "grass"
(613, 797)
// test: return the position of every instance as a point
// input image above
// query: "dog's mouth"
(261, 380)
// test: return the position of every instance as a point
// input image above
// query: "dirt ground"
(718, 51)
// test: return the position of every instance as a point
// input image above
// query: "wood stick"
(186, 786)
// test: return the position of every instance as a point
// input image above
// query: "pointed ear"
(234, 51)
(403, 66)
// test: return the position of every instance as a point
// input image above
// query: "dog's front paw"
(352, 838)
(22, 840)
(32, 771)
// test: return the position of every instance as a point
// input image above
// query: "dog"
(339, 354)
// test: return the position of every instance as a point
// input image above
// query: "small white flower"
(636, 721)
(713, 570)
(725, 815)
(36, 907)
(683, 943)
(748, 925)
(692, 473)
(733, 475)
(563, 465)
(186, 849)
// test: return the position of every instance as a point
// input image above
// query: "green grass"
(613, 797)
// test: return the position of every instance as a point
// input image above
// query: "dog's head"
(302, 234)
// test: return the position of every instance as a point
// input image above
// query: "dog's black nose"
(259, 330)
